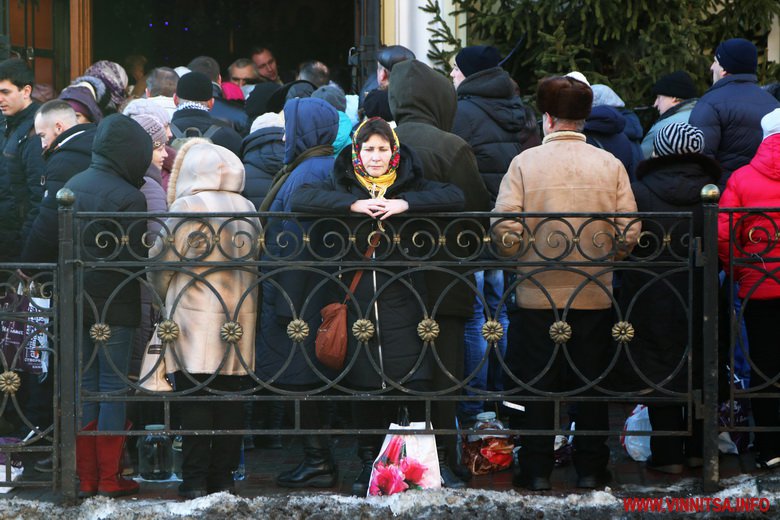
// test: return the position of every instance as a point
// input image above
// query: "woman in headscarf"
(380, 178)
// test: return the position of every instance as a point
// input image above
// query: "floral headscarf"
(376, 186)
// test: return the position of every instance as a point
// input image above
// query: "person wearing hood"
(604, 129)
(380, 178)
(671, 181)
(208, 178)
(310, 127)
(121, 153)
(675, 97)
(423, 104)
(336, 97)
(604, 95)
(263, 155)
(757, 184)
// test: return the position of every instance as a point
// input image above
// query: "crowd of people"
(188, 140)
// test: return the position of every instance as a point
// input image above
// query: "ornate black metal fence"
(268, 276)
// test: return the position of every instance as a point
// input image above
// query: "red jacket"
(756, 235)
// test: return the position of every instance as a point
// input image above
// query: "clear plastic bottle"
(155, 456)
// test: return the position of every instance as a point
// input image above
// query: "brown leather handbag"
(330, 346)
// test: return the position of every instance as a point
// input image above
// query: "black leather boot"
(317, 469)
(367, 455)
(448, 477)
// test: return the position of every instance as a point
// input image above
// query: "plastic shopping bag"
(638, 447)
(23, 340)
(405, 462)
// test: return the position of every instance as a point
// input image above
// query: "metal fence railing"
(248, 289)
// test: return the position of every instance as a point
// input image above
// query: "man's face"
(717, 71)
(664, 103)
(14, 99)
(47, 129)
(457, 76)
(243, 75)
(266, 65)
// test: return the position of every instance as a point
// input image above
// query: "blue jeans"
(489, 376)
(100, 376)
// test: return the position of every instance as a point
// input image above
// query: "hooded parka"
(423, 103)
(121, 152)
(208, 178)
(309, 122)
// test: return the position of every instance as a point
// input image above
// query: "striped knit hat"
(677, 139)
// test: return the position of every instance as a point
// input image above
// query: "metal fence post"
(710, 472)
(68, 362)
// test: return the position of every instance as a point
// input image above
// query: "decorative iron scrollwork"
(428, 329)
(492, 331)
(168, 331)
(363, 330)
(623, 332)
(10, 382)
(100, 332)
(231, 332)
(560, 332)
(297, 330)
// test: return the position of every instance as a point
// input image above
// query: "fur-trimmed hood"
(208, 167)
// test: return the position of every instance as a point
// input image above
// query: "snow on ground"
(439, 504)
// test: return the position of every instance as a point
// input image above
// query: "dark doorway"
(173, 32)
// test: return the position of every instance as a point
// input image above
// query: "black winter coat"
(121, 153)
(423, 103)
(68, 155)
(263, 157)
(202, 120)
(21, 186)
(670, 183)
(402, 300)
(491, 119)
(604, 129)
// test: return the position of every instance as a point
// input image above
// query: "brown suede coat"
(565, 175)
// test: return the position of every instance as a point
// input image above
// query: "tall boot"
(109, 450)
(86, 463)
(367, 453)
(448, 477)
(317, 469)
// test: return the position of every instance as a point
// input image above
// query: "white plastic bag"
(405, 462)
(638, 447)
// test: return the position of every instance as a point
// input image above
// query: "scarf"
(376, 186)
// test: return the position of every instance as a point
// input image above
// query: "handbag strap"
(359, 274)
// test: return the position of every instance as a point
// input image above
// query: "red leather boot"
(86, 463)
(109, 456)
